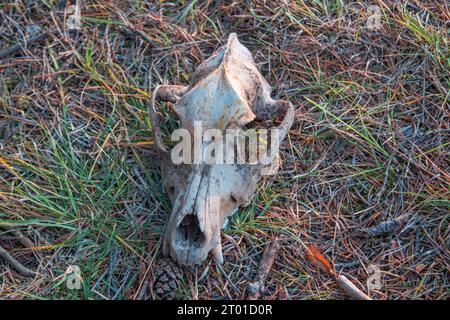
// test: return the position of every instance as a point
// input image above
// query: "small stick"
(350, 288)
(314, 255)
(132, 29)
(383, 228)
(14, 263)
(255, 288)
(22, 238)
(8, 51)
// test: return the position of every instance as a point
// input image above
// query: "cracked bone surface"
(226, 92)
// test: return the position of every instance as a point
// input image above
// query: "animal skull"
(227, 91)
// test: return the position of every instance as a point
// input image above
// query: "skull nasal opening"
(189, 231)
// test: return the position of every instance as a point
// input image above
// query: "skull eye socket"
(171, 190)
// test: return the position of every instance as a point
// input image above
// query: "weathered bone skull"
(227, 91)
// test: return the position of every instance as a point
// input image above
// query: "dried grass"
(370, 143)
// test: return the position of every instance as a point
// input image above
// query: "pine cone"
(167, 278)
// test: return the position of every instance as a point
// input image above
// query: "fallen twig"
(8, 51)
(314, 255)
(350, 288)
(14, 263)
(130, 28)
(22, 238)
(383, 228)
(27, 243)
(255, 288)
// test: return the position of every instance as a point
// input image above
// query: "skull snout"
(202, 209)
(192, 238)
(192, 232)
(189, 231)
